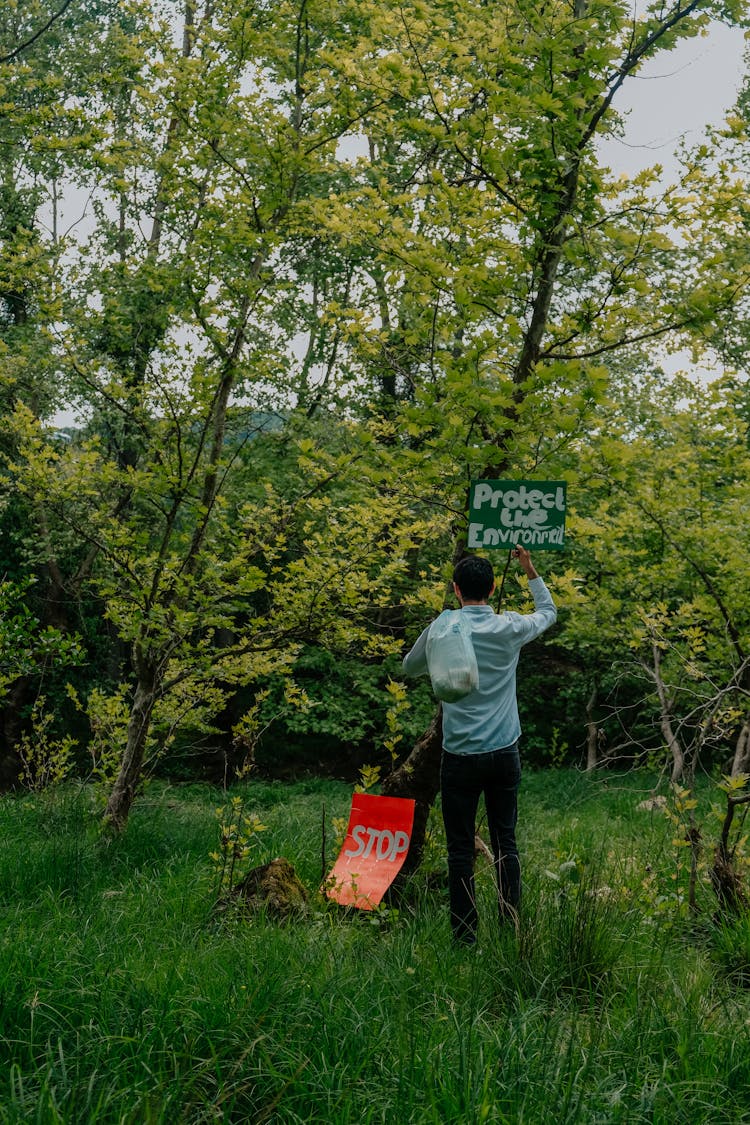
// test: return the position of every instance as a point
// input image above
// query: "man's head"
(474, 578)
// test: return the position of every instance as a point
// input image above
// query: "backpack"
(451, 660)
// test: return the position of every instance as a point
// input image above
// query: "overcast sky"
(676, 96)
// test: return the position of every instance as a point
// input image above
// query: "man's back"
(488, 718)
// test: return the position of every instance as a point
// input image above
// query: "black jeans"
(463, 778)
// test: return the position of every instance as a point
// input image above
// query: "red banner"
(373, 852)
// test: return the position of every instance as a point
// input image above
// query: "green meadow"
(125, 998)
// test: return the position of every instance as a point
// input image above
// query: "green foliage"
(25, 646)
(107, 715)
(348, 705)
(730, 945)
(709, 843)
(238, 832)
(121, 1000)
(394, 717)
(660, 544)
(558, 748)
(338, 260)
(582, 932)
(46, 761)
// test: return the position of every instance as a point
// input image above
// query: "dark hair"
(474, 578)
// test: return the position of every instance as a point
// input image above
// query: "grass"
(122, 999)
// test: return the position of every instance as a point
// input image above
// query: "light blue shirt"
(487, 719)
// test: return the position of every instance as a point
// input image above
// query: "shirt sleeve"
(415, 661)
(531, 625)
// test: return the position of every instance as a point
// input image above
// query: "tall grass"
(124, 999)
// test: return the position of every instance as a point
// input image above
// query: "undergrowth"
(124, 999)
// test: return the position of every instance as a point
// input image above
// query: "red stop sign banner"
(373, 852)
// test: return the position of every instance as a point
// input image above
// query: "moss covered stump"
(274, 888)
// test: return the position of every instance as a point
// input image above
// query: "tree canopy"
(293, 274)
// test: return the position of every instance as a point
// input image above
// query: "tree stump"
(274, 888)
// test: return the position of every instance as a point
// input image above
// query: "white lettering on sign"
(523, 498)
(481, 536)
(385, 844)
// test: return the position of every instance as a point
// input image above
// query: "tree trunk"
(726, 877)
(665, 718)
(419, 778)
(741, 763)
(124, 789)
(592, 733)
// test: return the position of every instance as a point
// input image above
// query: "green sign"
(503, 513)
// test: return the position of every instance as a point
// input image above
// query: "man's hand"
(524, 559)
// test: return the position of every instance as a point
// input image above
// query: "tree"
(665, 544)
(411, 192)
(509, 260)
(42, 140)
(211, 152)
(27, 648)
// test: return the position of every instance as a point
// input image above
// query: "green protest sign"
(503, 513)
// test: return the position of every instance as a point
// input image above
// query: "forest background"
(336, 261)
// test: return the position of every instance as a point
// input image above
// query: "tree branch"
(37, 34)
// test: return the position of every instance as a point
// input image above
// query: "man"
(480, 738)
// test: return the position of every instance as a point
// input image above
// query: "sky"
(673, 99)
(676, 96)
